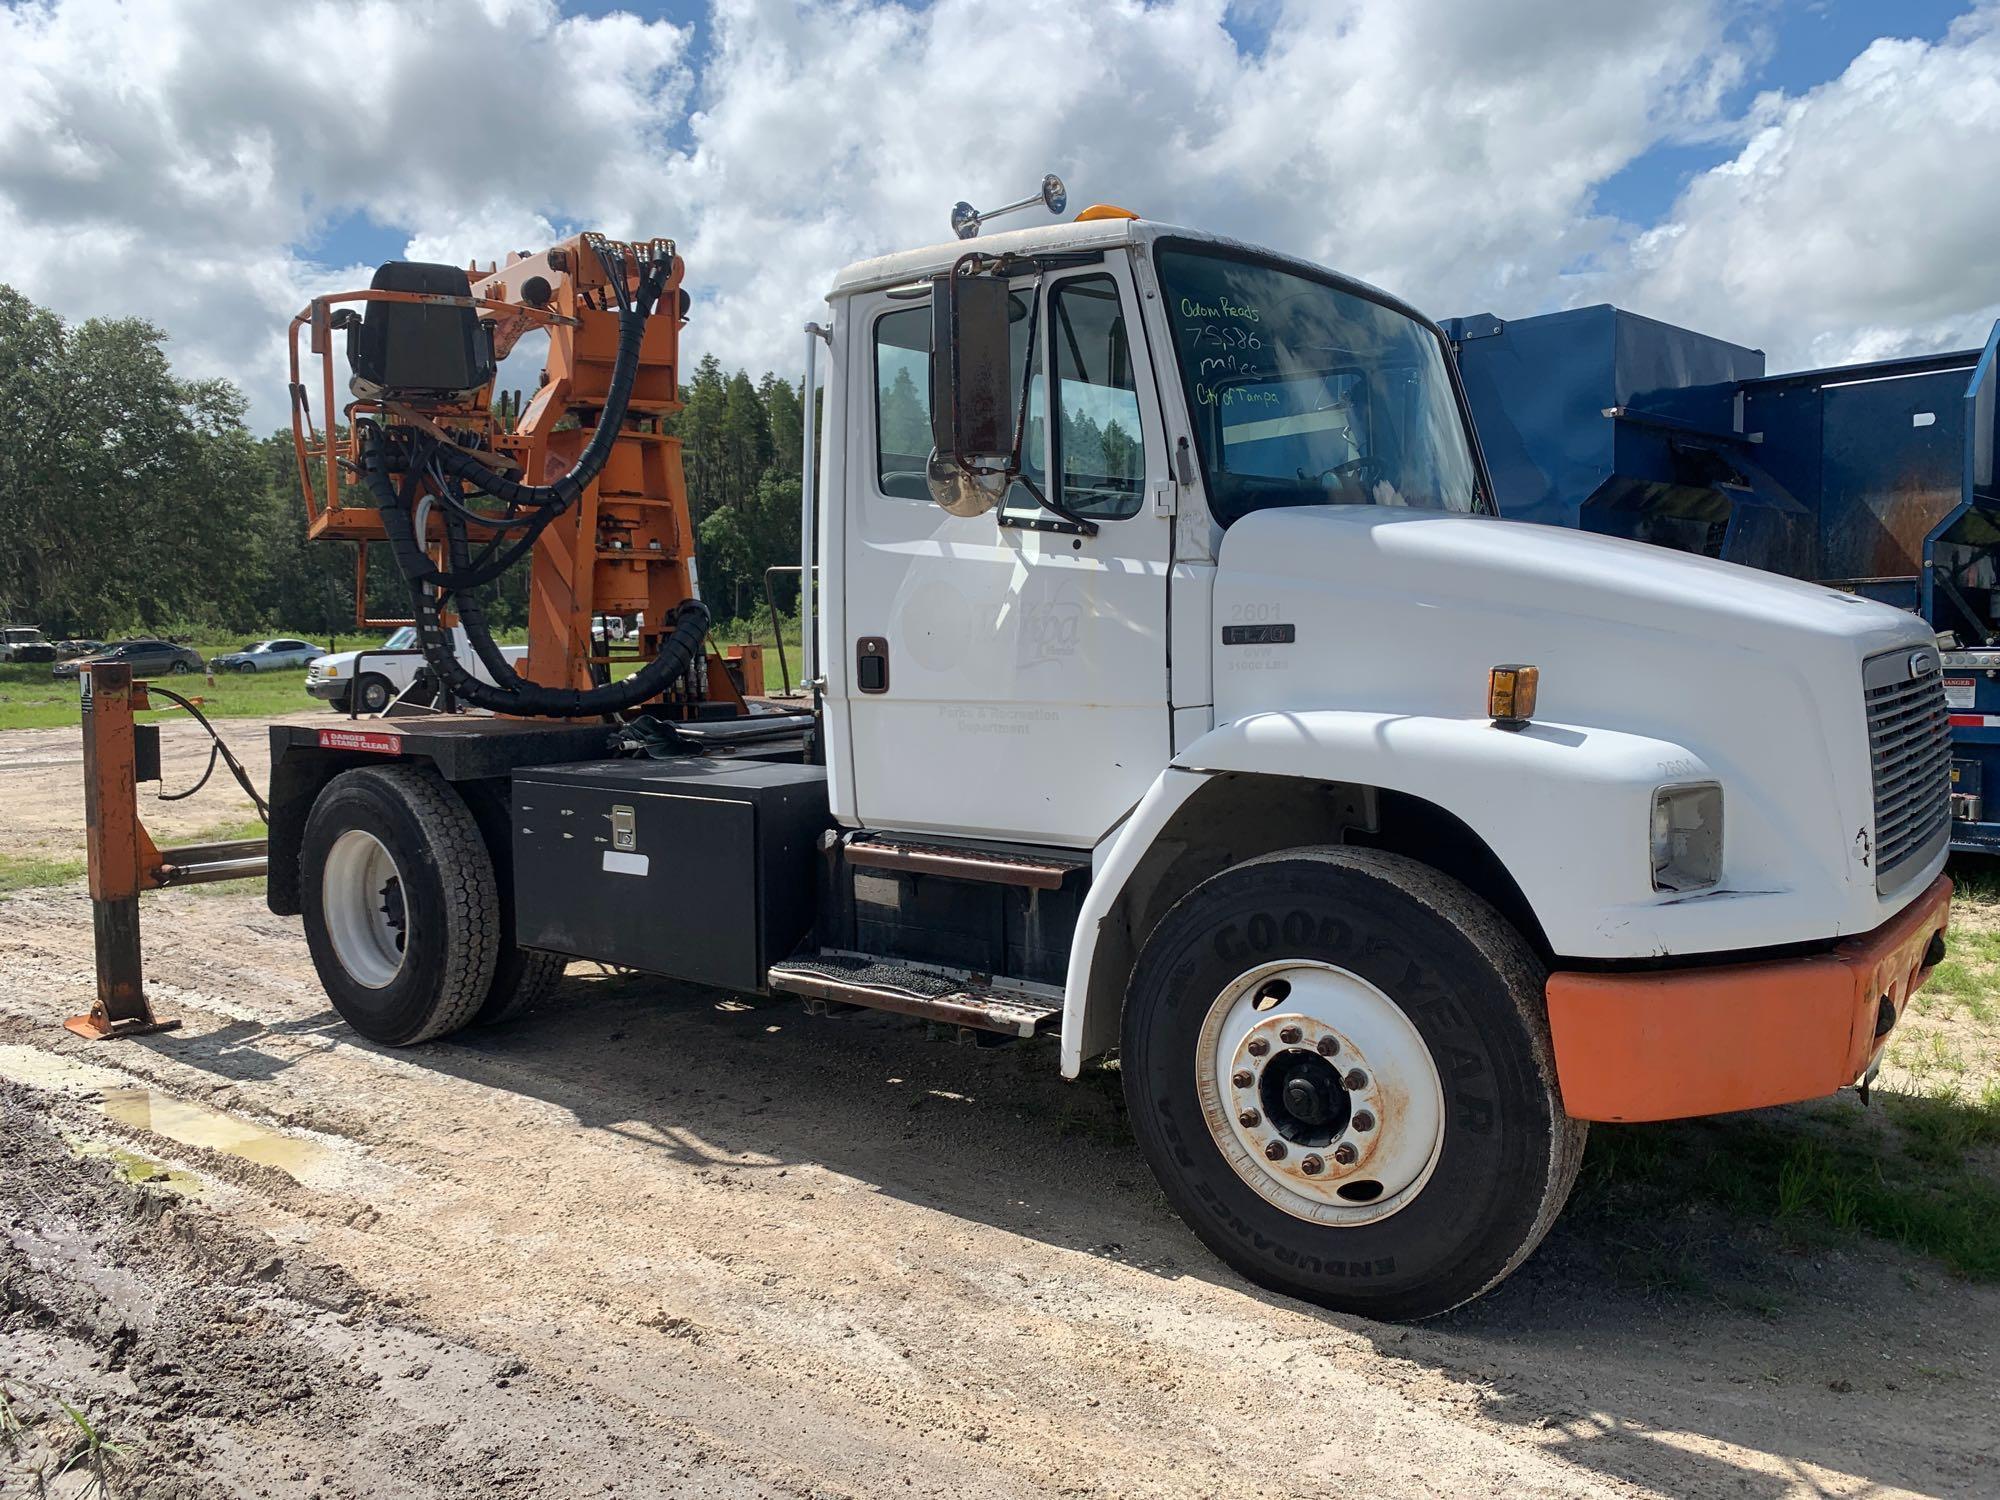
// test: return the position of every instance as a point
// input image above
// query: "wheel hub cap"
(367, 919)
(1320, 1092)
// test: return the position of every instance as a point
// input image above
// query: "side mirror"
(972, 394)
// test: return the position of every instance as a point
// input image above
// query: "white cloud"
(168, 159)
(1445, 150)
(165, 159)
(1857, 222)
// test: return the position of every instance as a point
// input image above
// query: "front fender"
(1567, 810)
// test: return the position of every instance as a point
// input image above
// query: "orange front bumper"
(1669, 1044)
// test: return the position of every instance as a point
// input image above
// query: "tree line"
(135, 501)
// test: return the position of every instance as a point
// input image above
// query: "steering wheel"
(1363, 471)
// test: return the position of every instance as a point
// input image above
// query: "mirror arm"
(1055, 508)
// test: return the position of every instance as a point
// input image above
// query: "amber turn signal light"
(1510, 695)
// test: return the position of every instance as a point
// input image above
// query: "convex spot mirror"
(972, 394)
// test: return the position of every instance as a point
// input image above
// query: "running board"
(954, 998)
(1035, 871)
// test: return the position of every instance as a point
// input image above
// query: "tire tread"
(451, 839)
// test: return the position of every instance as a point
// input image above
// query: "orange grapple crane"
(582, 478)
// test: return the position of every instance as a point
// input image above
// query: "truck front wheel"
(1339, 1068)
(402, 914)
(372, 692)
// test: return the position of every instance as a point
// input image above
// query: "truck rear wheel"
(1339, 1067)
(402, 915)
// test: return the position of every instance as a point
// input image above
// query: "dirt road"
(653, 1241)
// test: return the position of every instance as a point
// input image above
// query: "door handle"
(871, 664)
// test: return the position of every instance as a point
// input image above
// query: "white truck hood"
(1759, 676)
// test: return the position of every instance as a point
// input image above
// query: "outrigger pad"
(419, 352)
(98, 1027)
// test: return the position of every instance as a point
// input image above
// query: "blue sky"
(1810, 42)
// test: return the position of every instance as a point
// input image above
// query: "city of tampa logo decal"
(1051, 625)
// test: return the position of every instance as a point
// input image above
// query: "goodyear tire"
(1339, 1068)
(402, 914)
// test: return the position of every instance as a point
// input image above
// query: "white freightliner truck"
(1159, 609)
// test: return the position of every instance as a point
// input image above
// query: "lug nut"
(1328, 1045)
(1345, 1153)
(1363, 1121)
(1312, 1166)
(1275, 1151)
(1290, 1035)
(1258, 1047)
(1355, 1079)
(1249, 1119)
(1242, 1078)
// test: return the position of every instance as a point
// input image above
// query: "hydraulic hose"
(448, 467)
(509, 692)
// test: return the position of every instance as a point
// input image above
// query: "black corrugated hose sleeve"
(511, 693)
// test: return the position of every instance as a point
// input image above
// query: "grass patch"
(91, 1452)
(24, 872)
(227, 833)
(31, 699)
(1977, 877)
(1907, 1172)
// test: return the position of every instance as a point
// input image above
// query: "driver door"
(1020, 688)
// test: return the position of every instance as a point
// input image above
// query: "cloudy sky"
(1812, 176)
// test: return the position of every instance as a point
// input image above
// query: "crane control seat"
(419, 353)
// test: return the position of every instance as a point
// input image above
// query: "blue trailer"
(1874, 478)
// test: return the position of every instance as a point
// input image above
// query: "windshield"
(402, 640)
(1303, 393)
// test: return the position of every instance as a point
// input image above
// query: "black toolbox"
(698, 869)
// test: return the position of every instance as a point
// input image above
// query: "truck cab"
(1181, 695)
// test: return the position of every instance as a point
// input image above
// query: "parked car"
(24, 643)
(70, 650)
(267, 656)
(378, 679)
(146, 657)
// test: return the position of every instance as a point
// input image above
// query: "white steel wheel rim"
(1347, 1153)
(366, 909)
(374, 697)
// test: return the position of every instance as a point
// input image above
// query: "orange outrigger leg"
(117, 755)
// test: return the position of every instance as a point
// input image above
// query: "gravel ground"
(652, 1240)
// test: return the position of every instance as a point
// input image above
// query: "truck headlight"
(327, 671)
(1687, 837)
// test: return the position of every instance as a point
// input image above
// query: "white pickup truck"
(380, 678)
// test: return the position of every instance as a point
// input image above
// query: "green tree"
(128, 497)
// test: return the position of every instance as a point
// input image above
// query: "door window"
(903, 401)
(1100, 459)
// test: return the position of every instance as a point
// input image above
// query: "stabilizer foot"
(98, 1027)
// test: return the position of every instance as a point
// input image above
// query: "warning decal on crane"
(359, 739)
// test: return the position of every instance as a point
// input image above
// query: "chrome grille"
(1909, 747)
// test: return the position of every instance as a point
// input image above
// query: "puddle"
(198, 1125)
(146, 1109)
(136, 1168)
